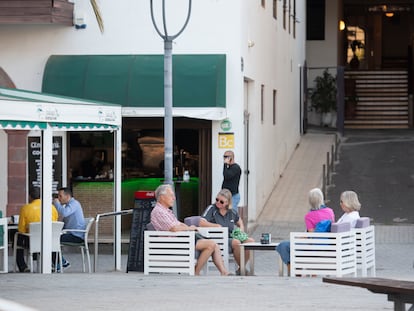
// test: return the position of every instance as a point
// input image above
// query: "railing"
(96, 245)
(329, 168)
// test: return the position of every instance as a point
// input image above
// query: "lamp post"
(168, 122)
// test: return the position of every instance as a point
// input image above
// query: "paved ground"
(379, 166)
(109, 290)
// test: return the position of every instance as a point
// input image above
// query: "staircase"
(382, 99)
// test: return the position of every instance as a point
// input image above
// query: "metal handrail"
(96, 246)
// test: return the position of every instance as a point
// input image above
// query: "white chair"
(35, 243)
(220, 235)
(84, 247)
(4, 245)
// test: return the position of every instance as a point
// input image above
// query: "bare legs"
(209, 248)
(235, 245)
(218, 260)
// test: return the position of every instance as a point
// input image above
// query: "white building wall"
(215, 27)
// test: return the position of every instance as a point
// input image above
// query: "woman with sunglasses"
(221, 214)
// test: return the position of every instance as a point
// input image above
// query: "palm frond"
(97, 15)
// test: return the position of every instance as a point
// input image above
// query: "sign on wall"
(35, 162)
(226, 140)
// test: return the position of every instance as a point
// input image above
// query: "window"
(289, 16)
(315, 21)
(294, 19)
(275, 9)
(274, 106)
(262, 104)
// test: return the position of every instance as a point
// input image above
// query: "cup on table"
(266, 238)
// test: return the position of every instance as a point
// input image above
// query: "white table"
(255, 246)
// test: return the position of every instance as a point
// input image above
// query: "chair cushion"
(363, 222)
(340, 227)
(150, 226)
(192, 221)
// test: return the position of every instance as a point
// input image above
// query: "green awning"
(199, 81)
(29, 125)
(28, 110)
(82, 126)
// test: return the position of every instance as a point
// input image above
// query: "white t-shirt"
(351, 217)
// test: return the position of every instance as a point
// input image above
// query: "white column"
(47, 178)
(117, 196)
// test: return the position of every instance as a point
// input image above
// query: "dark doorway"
(143, 157)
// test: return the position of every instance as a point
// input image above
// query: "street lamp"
(168, 122)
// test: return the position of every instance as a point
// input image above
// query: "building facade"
(260, 117)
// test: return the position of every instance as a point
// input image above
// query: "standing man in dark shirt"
(231, 178)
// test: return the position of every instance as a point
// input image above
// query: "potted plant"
(324, 96)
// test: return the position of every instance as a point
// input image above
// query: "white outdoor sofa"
(323, 253)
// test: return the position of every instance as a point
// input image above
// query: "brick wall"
(16, 180)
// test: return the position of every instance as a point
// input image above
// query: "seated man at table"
(163, 219)
(29, 213)
(71, 212)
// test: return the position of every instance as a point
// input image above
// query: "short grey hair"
(162, 189)
(316, 199)
(350, 200)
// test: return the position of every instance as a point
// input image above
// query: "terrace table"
(256, 246)
(398, 291)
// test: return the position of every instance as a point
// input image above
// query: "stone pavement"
(110, 290)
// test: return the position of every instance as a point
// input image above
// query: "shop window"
(143, 153)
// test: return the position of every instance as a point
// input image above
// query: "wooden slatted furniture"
(220, 236)
(365, 247)
(323, 253)
(398, 291)
(169, 252)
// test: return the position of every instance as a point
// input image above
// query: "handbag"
(323, 226)
(239, 235)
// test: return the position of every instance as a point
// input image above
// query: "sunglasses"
(226, 156)
(221, 201)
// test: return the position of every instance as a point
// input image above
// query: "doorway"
(143, 158)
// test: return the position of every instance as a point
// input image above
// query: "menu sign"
(35, 162)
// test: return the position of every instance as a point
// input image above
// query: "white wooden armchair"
(169, 252)
(323, 253)
(365, 247)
